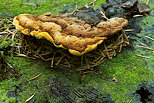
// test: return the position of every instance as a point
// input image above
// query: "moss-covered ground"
(118, 77)
(129, 70)
(16, 7)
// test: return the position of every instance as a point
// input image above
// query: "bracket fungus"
(68, 32)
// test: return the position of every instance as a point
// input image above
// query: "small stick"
(93, 2)
(120, 48)
(115, 53)
(69, 65)
(107, 53)
(108, 50)
(34, 77)
(143, 56)
(103, 15)
(146, 47)
(127, 43)
(41, 57)
(13, 33)
(4, 27)
(96, 60)
(124, 34)
(3, 33)
(27, 100)
(102, 54)
(120, 36)
(23, 55)
(120, 42)
(129, 30)
(137, 16)
(52, 61)
(8, 64)
(60, 60)
(76, 8)
(149, 38)
(143, 44)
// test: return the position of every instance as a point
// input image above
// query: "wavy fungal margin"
(66, 32)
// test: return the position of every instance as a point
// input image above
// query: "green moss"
(128, 73)
(5, 86)
(4, 43)
(147, 25)
(16, 7)
(128, 69)
(29, 68)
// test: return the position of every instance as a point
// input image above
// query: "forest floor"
(33, 80)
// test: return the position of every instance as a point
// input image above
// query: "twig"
(108, 50)
(4, 27)
(60, 60)
(3, 33)
(137, 16)
(27, 100)
(68, 64)
(129, 30)
(143, 56)
(107, 53)
(13, 33)
(146, 47)
(124, 34)
(149, 38)
(143, 44)
(8, 64)
(93, 2)
(23, 55)
(52, 61)
(76, 8)
(120, 48)
(35, 77)
(103, 15)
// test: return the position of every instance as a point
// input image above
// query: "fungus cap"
(68, 32)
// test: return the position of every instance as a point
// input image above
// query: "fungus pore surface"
(68, 32)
